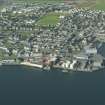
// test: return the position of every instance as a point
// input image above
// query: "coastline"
(55, 68)
(31, 65)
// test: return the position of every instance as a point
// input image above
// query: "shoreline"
(31, 64)
(65, 70)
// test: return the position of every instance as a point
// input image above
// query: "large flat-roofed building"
(98, 59)
(81, 56)
(89, 50)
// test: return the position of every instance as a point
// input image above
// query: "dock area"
(59, 68)
(31, 64)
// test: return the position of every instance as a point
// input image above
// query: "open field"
(100, 4)
(50, 19)
(93, 4)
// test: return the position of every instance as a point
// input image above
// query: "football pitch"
(50, 19)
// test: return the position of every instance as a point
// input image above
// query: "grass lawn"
(50, 19)
(100, 4)
(93, 4)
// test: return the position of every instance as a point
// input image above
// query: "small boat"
(65, 71)
(47, 68)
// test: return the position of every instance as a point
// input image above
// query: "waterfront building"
(81, 56)
(89, 50)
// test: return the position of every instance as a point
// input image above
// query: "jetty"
(32, 65)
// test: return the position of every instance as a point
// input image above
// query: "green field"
(50, 19)
(100, 4)
(93, 4)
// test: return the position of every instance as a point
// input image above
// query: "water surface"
(27, 86)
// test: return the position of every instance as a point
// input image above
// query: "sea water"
(21, 85)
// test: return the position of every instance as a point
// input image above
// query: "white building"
(89, 50)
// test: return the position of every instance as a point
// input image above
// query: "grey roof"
(101, 50)
(98, 58)
(81, 56)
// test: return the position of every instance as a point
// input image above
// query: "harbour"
(49, 68)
